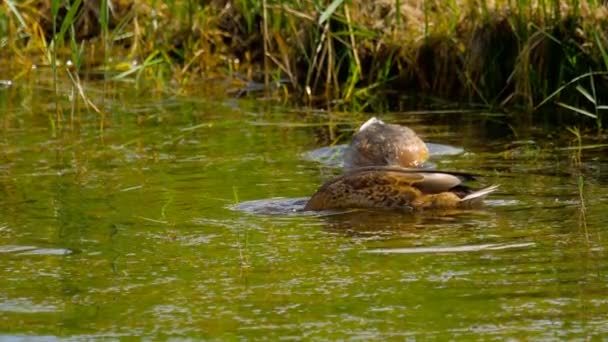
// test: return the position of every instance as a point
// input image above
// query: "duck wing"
(436, 182)
(427, 181)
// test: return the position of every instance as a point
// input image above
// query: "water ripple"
(450, 249)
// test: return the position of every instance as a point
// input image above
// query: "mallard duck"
(397, 188)
(379, 144)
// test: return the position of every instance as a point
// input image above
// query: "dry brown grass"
(498, 53)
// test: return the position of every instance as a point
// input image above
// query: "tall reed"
(500, 54)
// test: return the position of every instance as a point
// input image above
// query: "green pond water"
(178, 220)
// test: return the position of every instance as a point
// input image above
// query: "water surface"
(135, 230)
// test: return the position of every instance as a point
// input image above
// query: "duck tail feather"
(478, 196)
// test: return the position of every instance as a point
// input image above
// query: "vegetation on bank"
(517, 54)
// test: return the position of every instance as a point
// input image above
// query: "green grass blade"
(584, 147)
(602, 50)
(69, 18)
(13, 9)
(585, 93)
(329, 11)
(572, 81)
(138, 68)
(577, 110)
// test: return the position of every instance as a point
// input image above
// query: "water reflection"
(181, 220)
(33, 250)
(381, 222)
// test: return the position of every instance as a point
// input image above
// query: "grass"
(577, 161)
(541, 58)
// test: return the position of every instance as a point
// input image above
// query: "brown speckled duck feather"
(379, 144)
(398, 188)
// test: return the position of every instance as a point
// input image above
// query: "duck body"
(379, 144)
(398, 189)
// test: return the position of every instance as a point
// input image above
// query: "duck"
(395, 188)
(377, 143)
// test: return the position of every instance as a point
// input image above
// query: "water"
(159, 226)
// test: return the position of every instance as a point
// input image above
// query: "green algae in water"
(142, 214)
